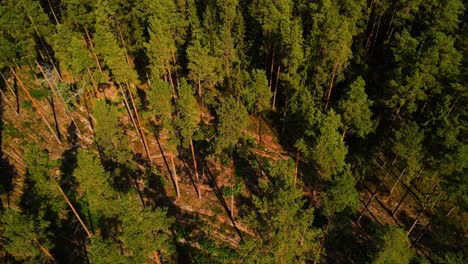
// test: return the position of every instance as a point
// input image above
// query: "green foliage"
(109, 136)
(394, 248)
(188, 112)
(329, 152)
(341, 194)
(95, 184)
(104, 251)
(284, 229)
(232, 119)
(160, 100)
(257, 95)
(408, 144)
(19, 234)
(355, 109)
(108, 48)
(71, 52)
(39, 173)
(145, 231)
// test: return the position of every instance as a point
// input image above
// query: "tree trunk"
(142, 132)
(13, 92)
(92, 81)
(130, 113)
(92, 50)
(397, 181)
(283, 128)
(199, 89)
(156, 257)
(376, 190)
(38, 110)
(8, 101)
(322, 241)
(331, 85)
(176, 181)
(276, 88)
(175, 64)
(271, 68)
(74, 211)
(44, 249)
(297, 166)
(54, 90)
(232, 202)
(195, 166)
(343, 135)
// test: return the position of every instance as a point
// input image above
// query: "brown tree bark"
(130, 113)
(74, 211)
(93, 51)
(142, 132)
(376, 191)
(297, 166)
(176, 180)
(397, 181)
(322, 241)
(8, 101)
(276, 88)
(38, 110)
(331, 85)
(13, 92)
(195, 167)
(156, 257)
(44, 249)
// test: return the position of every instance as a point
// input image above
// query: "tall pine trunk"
(195, 168)
(140, 127)
(331, 85)
(174, 173)
(75, 212)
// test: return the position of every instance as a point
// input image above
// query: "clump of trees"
(112, 112)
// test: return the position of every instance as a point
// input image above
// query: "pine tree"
(394, 247)
(284, 232)
(113, 143)
(107, 46)
(355, 109)
(232, 119)
(95, 185)
(24, 238)
(145, 231)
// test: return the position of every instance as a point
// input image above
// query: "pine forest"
(234, 131)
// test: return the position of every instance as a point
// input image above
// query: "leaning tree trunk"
(195, 168)
(276, 88)
(174, 173)
(140, 127)
(331, 85)
(38, 110)
(376, 190)
(75, 212)
(44, 249)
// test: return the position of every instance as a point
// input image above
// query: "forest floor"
(214, 207)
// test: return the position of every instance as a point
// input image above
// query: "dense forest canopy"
(233, 131)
